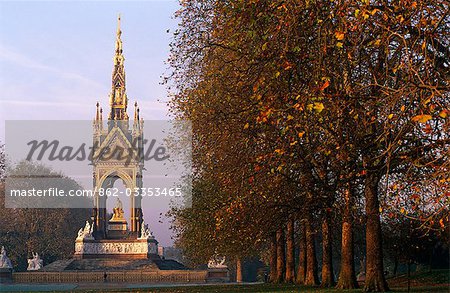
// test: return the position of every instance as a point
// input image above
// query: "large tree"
(27, 230)
(294, 101)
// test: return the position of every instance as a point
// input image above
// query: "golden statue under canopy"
(118, 211)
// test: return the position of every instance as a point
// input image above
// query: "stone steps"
(57, 266)
(111, 265)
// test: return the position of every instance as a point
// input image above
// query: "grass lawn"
(436, 281)
(263, 288)
(240, 288)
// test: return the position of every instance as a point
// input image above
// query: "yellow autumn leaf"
(339, 45)
(427, 101)
(290, 117)
(246, 126)
(339, 36)
(443, 113)
(279, 151)
(264, 46)
(422, 118)
(318, 107)
(390, 116)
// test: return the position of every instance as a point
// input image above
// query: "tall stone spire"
(118, 99)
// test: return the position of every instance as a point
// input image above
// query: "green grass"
(263, 288)
(253, 288)
(433, 277)
(435, 281)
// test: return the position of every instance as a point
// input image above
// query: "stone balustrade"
(173, 276)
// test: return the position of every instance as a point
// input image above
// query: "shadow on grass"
(287, 288)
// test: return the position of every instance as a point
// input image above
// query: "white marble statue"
(119, 204)
(217, 262)
(35, 263)
(86, 232)
(145, 231)
(5, 262)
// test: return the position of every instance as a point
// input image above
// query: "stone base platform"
(112, 271)
(112, 265)
(101, 265)
(115, 271)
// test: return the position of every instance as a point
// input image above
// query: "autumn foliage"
(303, 110)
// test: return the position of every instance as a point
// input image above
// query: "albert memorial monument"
(109, 248)
(113, 237)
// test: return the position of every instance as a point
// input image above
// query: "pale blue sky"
(56, 57)
(56, 61)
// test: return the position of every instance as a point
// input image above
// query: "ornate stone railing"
(173, 276)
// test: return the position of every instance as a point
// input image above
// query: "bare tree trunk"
(347, 276)
(238, 270)
(273, 258)
(290, 250)
(301, 269)
(375, 280)
(327, 257)
(311, 261)
(280, 256)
